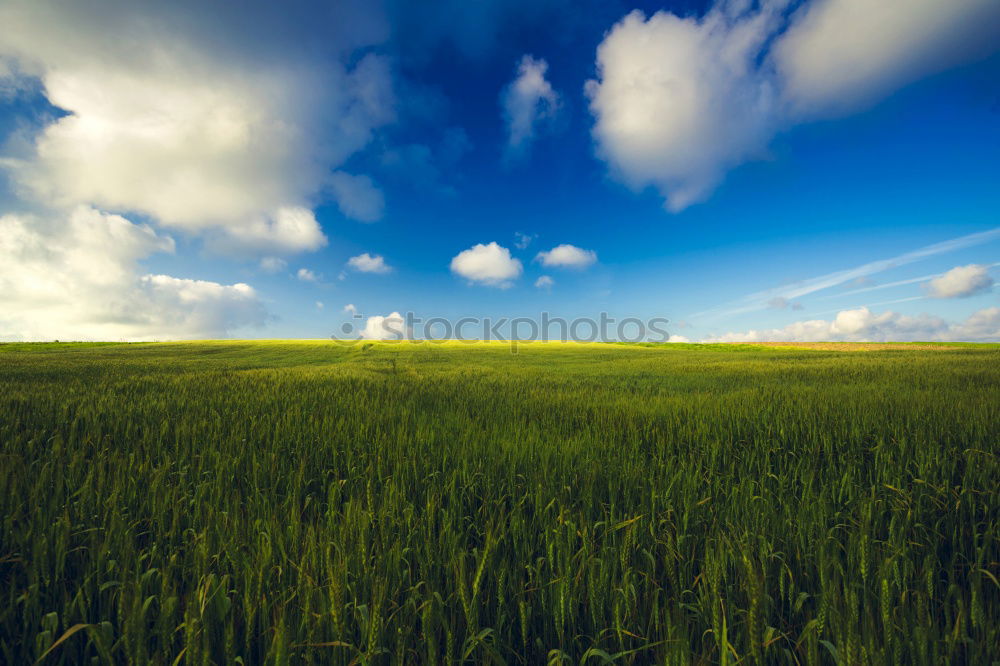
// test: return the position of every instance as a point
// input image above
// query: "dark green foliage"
(278, 503)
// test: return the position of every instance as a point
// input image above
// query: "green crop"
(273, 503)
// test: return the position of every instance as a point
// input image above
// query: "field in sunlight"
(316, 502)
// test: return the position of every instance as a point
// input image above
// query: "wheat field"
(314, 502)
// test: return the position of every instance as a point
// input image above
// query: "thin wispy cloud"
(888, 285)
(759, 300)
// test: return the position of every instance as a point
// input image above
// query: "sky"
(746, 170)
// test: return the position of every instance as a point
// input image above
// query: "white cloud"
(961, 281)
(351, 308)
(200, 118)
(567, 256)
(357, 197)
(319, 305)
(222, 123)
(367, 263)
(273, 264)
(678, 338)
(839, 54)
(290, 230)
(760, 299)
(306, 275)
(487, 264)
(183, 308)
(544, 282)
(389, 327)
(680, 101)
(862, 325)
(78, 279)
(527, 102)
(982, 325)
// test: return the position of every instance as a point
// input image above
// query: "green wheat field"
(416, 503)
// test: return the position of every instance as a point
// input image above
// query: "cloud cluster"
(960, 282)
(222, 124)
(862, 325)
(367, 263)
(489, 264)
(199, 118)
(78, 279)
(680, 101)
(527, 102)
(567, 256)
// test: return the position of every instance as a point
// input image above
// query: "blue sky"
(747, 170)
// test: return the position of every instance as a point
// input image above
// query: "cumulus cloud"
(839, 54)
(863, 325)
(960, 282)
(389, 327)
(357, 197)
(350, 307)
(200, 118)
(224, 124)
(527, 102)
(79, 279)
(544, 282)
(567, 256)
(290, 230)
(487, 264)
(982, 325)
(306, 275)
(367, 263)
(680, 101)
